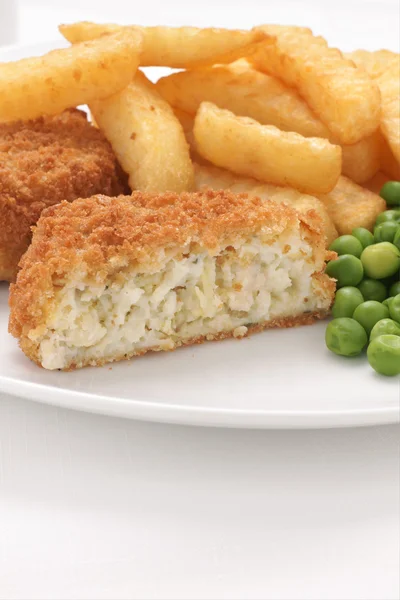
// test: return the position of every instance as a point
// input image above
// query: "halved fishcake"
(109, 278)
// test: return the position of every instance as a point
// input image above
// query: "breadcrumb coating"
(43, 162)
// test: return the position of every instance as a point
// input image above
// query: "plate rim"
(146, 410)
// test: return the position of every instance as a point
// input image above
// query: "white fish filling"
(197, 295)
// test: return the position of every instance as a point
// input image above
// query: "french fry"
(375, 184)
(343, 96)
(349, 206)
(217, 179)
(146, 137)
(187, 122)
(65, 78)
(389, 84)
(249, 93)
(384, 67)
(389, 164)
(242, 145)
(86, 30)
(244, 91)
(376, 62)
(177, 47)
(362, 160)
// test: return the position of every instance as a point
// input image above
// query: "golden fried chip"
(249, 93)
(389, 164)
(244, 91)
(349, 206)
(375, 184)
(187, 122)
(376, 62)
(219, 179)
(65, 78)
(83, 31)
(342, 96)
(146, 137)
(389, 84)
(362, 160)
(242, 145)
(177, 47)
(384, 67)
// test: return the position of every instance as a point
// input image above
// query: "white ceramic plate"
(276, 379)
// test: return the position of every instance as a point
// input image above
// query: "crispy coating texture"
(103, 237)
(209, 177)
(43, 162)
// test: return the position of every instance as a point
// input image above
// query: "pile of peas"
(366, 310)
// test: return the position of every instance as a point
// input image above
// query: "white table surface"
(100, 508)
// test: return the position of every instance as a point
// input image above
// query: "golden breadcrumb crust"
(103, 237)
(43, 162)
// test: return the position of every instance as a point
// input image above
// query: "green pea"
(389, 281)
(387, 302)
(346, 301)
(372, 289)
(385, 232)
(364, 236)
(396, 239)
(394, 289)
(345, 337)
(346, 269)
(370, 312)
(383, 327)
(390, 192)
(347, 244)
(380, 260)
(388, 215)
(384, 355)
(394, 308)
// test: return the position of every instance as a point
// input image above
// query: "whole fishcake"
(43, 162)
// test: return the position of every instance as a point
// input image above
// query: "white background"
(349, 24)
(94, 507)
